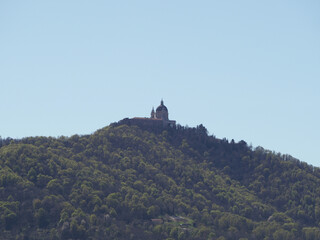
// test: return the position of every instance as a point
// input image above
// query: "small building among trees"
(158, 118)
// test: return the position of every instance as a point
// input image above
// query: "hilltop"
(131, 182)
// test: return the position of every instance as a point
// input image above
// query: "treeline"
(127, 182)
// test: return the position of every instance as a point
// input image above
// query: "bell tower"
(153, 114)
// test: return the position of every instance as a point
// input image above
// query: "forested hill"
(124, 182)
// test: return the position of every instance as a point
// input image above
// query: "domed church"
(161, 112)
(159, 118)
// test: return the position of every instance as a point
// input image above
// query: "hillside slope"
(124, 182)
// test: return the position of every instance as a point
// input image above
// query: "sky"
(247, 70)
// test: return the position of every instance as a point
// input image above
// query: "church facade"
(158, 118)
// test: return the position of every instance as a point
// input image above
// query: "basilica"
(158, 118)
(162, 114)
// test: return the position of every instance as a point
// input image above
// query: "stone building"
(158, 118)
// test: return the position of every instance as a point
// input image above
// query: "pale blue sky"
(244, 69)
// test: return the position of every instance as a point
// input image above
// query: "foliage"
(129, 182)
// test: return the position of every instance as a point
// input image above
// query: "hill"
(126, 182)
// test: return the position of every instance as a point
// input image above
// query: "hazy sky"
(244, 69)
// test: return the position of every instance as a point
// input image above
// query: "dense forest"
(127, 182)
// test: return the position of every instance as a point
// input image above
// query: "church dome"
(162, 107)
(162, 112)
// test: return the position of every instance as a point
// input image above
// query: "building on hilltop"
(158, 118)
